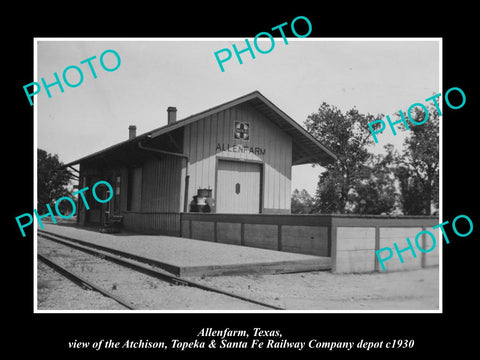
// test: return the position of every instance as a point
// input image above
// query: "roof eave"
(330, 156)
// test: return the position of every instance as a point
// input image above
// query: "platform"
(188, 257)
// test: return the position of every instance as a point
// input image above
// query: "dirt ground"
(141, 291)
(318, 290)
(56, 292)
(323, 290)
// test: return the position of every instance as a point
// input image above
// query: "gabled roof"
(305, 148)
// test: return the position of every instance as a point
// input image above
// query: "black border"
(48, 334)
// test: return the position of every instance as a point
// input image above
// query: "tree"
(51, 182)
(328, 197)
(412, 198)
(418, 167)
(375, 192)
(347, 135)
(302, 202)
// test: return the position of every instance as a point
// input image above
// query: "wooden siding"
(135, 189)
(152, 223)
(161, 185)
(212, 137)
(157, 184)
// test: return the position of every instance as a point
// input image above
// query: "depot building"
(235, 158)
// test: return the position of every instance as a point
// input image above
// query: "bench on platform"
(113, 224)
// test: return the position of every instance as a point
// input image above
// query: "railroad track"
(105, 255)
(81, 281)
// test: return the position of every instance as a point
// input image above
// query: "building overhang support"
(159, 151)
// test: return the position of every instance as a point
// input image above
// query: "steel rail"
(121, 260)
(82, 282)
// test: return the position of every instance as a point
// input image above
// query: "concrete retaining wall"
(354, 247)
(311, 240)
(302, 234)
(351, 241)
(432, 258)
(398, 235)
(229, 233)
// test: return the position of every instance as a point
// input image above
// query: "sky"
(379, 76)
